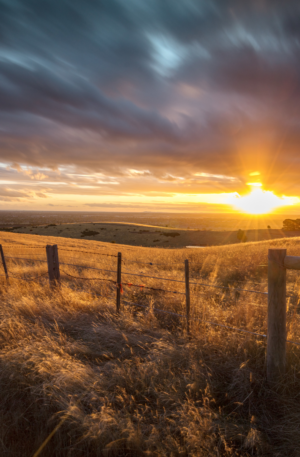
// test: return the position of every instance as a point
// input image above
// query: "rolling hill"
(134, 234)
(77, 379)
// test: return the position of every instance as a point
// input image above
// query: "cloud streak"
(193, 96)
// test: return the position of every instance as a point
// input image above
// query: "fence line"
(166, 279)
(145, 276)
(141, 286)
(278, 262)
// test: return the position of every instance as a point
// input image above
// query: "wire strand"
(87, 268)
(87, 252)
(22, 246)
(165, 279)
(88, 279)
(22, 258)
(152, 288)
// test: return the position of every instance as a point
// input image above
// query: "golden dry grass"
(135, 384)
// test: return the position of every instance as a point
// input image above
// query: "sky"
(156, 105)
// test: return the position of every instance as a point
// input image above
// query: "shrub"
(87, 232)
(290, 224)
(173, 234)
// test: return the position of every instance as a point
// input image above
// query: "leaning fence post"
(53, 264)
(276, 336)
(3, 262)
(187, 295)
(119, 282)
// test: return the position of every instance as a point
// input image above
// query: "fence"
(278, 263)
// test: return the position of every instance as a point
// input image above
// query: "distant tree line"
(290, 224)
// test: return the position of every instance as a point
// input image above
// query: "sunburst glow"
(260, 201)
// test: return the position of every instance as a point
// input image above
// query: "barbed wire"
(165, 279)
(194, 283)
(87, 252)
(160, 264)
(22, 246)
(87, 268)
(120, 285)
(68, 258)
(152, 277)
(142, 286)
(191, 264)
(36, 255)
(88, 279)
(293, 342)
(147, 276)
(22, 258)
(248, 280)
(151, 263)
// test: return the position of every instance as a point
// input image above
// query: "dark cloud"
(173, 88)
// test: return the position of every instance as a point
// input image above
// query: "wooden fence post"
(53, 264)
(119, 282)
(3, 262)
(187, 295)
(276, 336)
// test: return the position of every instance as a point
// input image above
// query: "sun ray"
(260, 201)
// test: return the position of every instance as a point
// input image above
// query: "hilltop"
(77, 379)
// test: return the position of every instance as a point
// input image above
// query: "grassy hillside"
(97, 384)
(149, 235)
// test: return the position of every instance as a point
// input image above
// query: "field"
(147, 230)
(76, 379)
(194, 221)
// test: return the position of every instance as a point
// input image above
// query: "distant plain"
(148, 229)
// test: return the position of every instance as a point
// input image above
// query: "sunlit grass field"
(78, 380)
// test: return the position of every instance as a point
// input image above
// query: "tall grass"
(80, 380)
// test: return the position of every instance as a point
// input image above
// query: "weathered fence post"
(276, 336)
(187, 295)
(3, 262)
(53, 264)
(119, 283)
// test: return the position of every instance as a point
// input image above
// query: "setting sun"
(260, 201)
